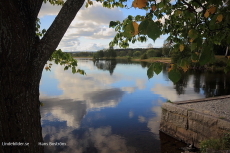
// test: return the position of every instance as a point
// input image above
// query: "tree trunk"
(19, 111)
(20, 74)
(22, 58)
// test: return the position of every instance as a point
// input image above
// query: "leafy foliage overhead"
(200, 24)
(58, 56)
(196, 23)
(65, 59)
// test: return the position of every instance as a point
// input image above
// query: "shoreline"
(163, 60)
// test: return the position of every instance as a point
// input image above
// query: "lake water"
(115, 108)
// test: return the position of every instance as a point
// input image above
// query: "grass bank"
(154, 59)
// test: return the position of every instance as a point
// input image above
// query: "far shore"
(154, 59)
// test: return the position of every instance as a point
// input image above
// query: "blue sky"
(90, 30)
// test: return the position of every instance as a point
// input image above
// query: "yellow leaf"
(90, 3)
(134, 4)
(154, 8)
(170, 68)
(177, 12)
(184, 68)
(181, 47)
(190, 40)
(219, 18)
(212, 10)
(206, 14)
(135, 26)
(139, 3)
(47, 68)
(194, 61)
(197, 53)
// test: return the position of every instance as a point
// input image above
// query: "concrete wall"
(189, 125)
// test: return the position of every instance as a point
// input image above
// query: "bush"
(137, 53)
(144, 56)
(129, 58)
(220, 62)
(157, 53)
(150, 52)
(216, 144)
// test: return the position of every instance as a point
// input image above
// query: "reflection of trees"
(106, 65)
(212, 83)
(197, 81)
(165, 71)
(182, 83)
(144, 64)
(216, 84)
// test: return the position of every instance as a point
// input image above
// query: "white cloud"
(101, 139)
(141, 119)
(89, 23)
(99, 14)
(153, 123)
(140, 83)
(48, 9)
(128, 89)
(54, 110)
(95, 90)
(130, 114)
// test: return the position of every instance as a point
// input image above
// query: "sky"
(90, 31)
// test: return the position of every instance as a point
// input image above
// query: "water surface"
(115, 107)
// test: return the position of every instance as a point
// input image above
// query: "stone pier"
(196, 120)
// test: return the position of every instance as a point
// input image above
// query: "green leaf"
(193, 34)
(212, 24)
(82, 72)
(86, 5)
(73, 69)
(207, 55)
(228, 40)
(226, 69)
(113, 24)
(194, 57)
(198, 41)
(153, 30)
(174, 75)
(176, 47)
(74, 63)
(157, 67)
(150, 71)
(66, 68)
(128, 29)
(142, 28)
(193, 46)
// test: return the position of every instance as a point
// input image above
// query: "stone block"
(176, 119)
(202, 118)
(223, 125)
(176, 109)
(168, 128)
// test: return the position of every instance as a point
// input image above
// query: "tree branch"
(190, 8)
(59, 27)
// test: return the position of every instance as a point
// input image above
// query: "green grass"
(216, 144)
(169, 101)
(221, 117)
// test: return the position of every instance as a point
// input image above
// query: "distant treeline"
(144, 53)
(137, 52)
